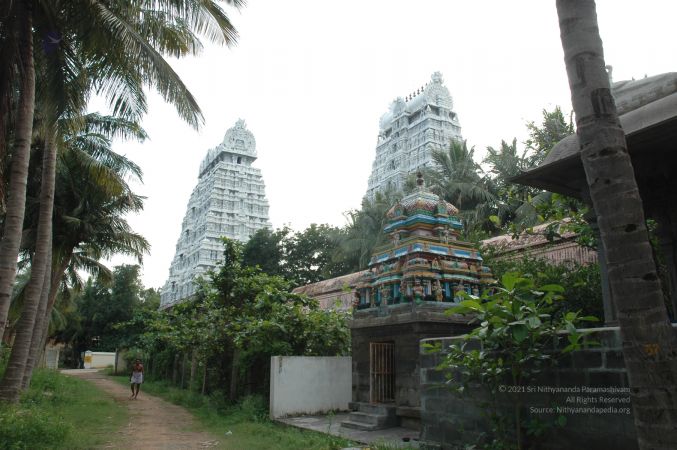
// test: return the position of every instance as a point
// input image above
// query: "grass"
(59, 412)
(243, 426)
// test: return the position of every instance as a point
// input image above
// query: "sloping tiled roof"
(330, 285)
(535, 237)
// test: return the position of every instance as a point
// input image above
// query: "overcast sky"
(311, 79)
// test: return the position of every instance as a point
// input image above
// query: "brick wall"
(449, 421)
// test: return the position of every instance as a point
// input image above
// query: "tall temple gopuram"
(229, 200)
(412, 128)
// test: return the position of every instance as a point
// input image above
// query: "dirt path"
(153, 423)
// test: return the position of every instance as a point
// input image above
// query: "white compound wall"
(301, 385)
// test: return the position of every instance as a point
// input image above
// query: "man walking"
(136, 379)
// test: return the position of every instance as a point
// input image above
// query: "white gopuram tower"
(229, 200)
(409, 132)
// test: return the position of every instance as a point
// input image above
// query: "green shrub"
(30, 427)
(582, 284)
(520, 326)
(253, 408)
(50, 414)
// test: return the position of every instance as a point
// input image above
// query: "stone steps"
(359, 426)
(370, 417)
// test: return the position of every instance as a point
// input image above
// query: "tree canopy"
(303, 257)
(239, 318)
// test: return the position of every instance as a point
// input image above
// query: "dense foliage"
(91, 317)
(582, 283)
(238, 319)
(520, 329)
(299, 257)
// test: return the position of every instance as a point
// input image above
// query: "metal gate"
(381, 372)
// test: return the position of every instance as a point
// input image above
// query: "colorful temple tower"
(425, 260)
(402, 299)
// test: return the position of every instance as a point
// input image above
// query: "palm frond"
(137, 50)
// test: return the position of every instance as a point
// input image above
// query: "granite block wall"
(589, 388)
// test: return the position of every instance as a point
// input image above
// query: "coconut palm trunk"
(41, 321)
(55, 280)
(16, 197)
(649, 341)
(41, 329)
(12, 381)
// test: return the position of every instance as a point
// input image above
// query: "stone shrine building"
(409, 132)
(401, 300)
(229, 200)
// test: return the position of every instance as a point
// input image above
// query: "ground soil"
(153, 422)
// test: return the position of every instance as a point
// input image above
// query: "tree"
(461, 181)
(299, 257)
(553, 128)
(312, 255)
(21, 63)
(649, 341)
(34, 300)
(91, 324)
(91, 198)
(268, 249)
(364, 231)
(237, 320)
(113, 50)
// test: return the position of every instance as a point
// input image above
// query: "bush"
(32, 424)
(582, 284)
(28, 427)
(53, 411)
(520, 328)
(230, 329)
(253, 408)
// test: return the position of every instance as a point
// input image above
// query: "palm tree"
(18, 62)
(8, 82)
(517, 204)
(364, 231)
(113, 48)
(519, 207)
(90, 204)
(40, 267)
(649, 341)
(462, 182)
